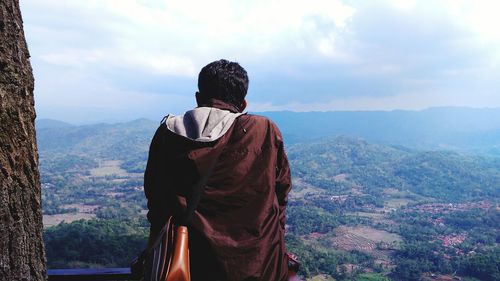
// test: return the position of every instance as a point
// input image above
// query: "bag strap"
(197, 188)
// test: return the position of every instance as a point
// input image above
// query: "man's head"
(223, 80)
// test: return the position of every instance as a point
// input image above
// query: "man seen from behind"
(237, 231)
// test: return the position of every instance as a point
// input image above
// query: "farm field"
(52, 220)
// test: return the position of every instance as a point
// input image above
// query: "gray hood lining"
(203, 124)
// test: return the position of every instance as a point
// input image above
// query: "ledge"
(90, 274)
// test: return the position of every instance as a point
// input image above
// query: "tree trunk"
(21, 246)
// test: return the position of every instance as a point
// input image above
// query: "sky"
(118, 60)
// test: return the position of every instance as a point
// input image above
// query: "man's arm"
(283, 180)
(155, 184)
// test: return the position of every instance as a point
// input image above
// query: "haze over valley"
(398, 195)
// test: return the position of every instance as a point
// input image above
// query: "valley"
(358, 210)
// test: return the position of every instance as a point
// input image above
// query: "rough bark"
(21, 246)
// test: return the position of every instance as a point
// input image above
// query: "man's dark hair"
(224, 80)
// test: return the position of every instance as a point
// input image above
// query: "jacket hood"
(203, 124)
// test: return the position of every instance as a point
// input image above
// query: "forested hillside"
(341, 164)
(358, 210)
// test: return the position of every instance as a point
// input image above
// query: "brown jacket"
(237, 232)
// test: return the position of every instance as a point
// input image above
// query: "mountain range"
(433, 153)
(466, 130)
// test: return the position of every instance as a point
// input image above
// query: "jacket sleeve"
(283, 180)
(155, 182)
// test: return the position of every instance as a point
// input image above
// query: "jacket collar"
(220, 105)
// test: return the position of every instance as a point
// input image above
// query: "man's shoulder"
(257, 119)
(260, 122)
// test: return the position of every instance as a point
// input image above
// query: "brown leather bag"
(179, 269)
(168, 257)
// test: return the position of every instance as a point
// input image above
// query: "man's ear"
(243, 105)
(198, 98)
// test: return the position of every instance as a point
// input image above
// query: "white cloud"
(200, 30)
(481, 16)
(165, 64)
(404, 5)
(358, 55)
(73, 58)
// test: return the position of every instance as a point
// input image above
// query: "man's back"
(237, 232)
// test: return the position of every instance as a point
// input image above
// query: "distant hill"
(344, 164)
(475, 131)
(97, 139)
(127, 142)
(51, 123)
(450, 128)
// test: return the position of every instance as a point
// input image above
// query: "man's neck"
(220, 105)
